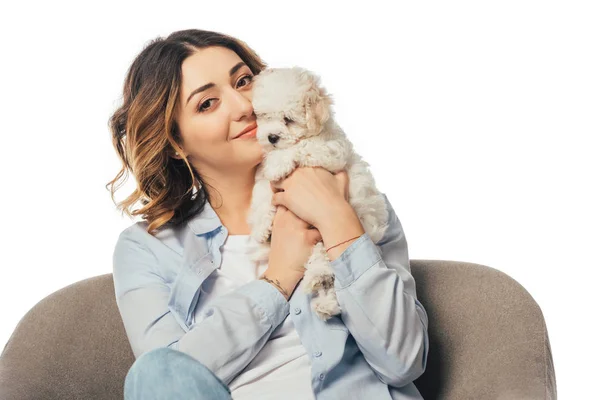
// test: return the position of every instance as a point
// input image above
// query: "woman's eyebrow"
(209, 85)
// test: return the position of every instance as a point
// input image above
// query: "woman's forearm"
(342, 224)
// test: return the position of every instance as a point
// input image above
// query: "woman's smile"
(248, 135)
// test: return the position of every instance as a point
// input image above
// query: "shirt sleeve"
(377, 295)
(232, 331)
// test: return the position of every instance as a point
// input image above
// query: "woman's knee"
(164, 369)
(153, 360)
(162, 363)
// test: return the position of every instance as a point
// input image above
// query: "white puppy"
(296, 129)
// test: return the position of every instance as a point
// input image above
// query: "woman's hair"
(145, 134)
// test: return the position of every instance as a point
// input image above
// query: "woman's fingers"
(278, 199)
(314, 236)
(343, 183)
(291, 218)
(276, 187)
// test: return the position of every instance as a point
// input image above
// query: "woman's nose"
(243, 103)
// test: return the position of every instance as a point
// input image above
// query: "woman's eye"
(250, 79)
(287, 120)
(200, 109)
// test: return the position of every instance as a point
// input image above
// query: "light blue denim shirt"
(374, 349)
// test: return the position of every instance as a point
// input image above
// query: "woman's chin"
(256, 154)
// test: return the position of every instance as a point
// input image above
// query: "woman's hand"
(312, 193)
(292, 243)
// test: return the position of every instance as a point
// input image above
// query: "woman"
(203, 321)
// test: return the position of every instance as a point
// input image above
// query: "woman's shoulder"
(138, 232)
(167, 238)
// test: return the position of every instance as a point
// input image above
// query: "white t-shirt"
(282, 367)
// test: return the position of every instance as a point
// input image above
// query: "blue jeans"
(164, 373)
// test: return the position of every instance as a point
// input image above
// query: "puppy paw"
(315, 282)
(325, 304)
(274, 173)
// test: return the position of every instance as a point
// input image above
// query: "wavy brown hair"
(145, 134)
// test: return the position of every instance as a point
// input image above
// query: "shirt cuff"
(269, 299)
(354, 261)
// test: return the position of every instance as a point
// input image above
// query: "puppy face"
(289, 105)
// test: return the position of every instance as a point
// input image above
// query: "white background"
(480, 121)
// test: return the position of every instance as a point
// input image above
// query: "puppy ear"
(267, 71)
(261, 75)
(317, 105)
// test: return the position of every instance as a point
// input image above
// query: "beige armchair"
(487, 335)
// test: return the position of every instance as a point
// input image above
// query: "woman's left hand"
(312, 193)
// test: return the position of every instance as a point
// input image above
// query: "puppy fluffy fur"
(296, 128)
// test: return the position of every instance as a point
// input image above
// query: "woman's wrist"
(277, 286)
(285, 286)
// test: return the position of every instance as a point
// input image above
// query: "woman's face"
(209, 119)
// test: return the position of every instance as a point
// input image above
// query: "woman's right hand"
(292, 243)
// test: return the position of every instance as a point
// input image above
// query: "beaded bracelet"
(277, 284)
(342, 242)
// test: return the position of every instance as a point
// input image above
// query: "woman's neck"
(232, 209)
(230, 196)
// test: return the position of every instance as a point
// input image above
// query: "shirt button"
(321, 376)
(212, 261)
(317, 353)
(297, 310)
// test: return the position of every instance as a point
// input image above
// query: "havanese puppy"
(296, 129)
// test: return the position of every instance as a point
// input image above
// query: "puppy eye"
(287, 120)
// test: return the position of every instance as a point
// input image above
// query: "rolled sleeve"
(269, 300)
(361, 255)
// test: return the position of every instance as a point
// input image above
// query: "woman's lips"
(249, 134)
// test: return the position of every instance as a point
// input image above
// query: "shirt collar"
(205, 221)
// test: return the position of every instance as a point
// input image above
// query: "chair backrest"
(487, 337)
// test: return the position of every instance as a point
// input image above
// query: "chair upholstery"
(487, 337)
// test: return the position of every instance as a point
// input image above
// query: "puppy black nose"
(273, 138)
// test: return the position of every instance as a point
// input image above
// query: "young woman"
(203, 321)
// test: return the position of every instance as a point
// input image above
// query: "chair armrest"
(70, 345)
(488, 337)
